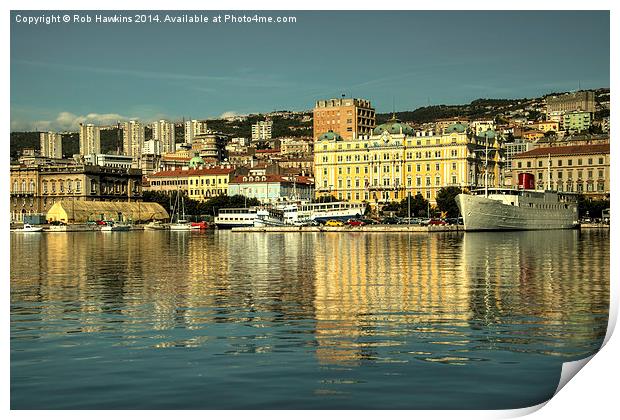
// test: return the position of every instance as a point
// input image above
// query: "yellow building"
(545, 126)
(395, 161)
(199, 183)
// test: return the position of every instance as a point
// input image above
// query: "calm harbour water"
(177, 320)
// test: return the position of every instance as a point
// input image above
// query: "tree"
(591, 208)
(419, 206)
(446, 201)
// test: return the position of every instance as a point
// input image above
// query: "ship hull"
(481, 213)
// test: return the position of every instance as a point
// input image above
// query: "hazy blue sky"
(65, 73)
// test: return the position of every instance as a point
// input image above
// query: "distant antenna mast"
(118, 137)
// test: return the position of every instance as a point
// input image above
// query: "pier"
(352, 229)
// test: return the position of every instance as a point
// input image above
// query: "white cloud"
(228, 114)
(67, 121)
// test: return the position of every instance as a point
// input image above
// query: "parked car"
(369, 221)
(390, 221)
(334, 223)
(437, 222)
(411, 220)
(355, 222)
(454, 220)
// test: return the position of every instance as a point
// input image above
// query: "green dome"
(487, 134)
(394, 126)
(330, 135)
(196, 161)
(455, 128)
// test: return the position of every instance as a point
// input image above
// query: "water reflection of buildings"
(353, 292)
(382, 286)
(525, 291)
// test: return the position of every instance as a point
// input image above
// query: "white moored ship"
(283, 214)
(518, 209)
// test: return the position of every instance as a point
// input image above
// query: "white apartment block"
(164, 132)
(90, 142)
(480, 126)
(133, 138)
(194, 128)
(262, 130)
(152, 147)
(51, 145)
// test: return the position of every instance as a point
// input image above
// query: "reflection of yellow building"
(381, 285)
(396, 161)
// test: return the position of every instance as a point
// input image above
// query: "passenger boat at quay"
(522, 208)
(287, 214)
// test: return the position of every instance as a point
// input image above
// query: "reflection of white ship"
(515, 209)
(296, 214)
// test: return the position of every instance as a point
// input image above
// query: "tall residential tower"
(164, 132)
(90, 143)
(51, 145)
(133, 138)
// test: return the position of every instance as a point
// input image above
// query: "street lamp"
(409, 207)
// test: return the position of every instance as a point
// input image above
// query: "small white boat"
(181, 225)
(30, 228)
(115, 227)
(155, 225)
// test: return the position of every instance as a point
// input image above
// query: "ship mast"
(549, 173)
(486, 165)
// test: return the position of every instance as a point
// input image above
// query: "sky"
(63, 74)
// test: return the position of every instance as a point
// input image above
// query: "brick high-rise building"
(348, 117)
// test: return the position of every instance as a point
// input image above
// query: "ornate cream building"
(35, 189)
(395, 161)
(576, 168)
